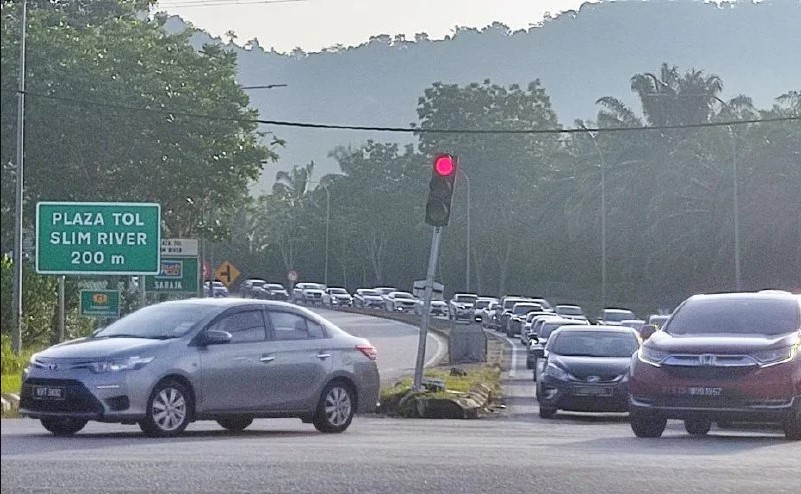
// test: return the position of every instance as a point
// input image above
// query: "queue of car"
(722, 358)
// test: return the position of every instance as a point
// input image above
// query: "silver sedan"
(229, 360)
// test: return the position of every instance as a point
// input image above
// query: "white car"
(571, 312)
(337, 297)
(400, 302)
(462, 306)
(367, 298)
(482, 303)
(249, 287)
(309, 293)
(614, 317)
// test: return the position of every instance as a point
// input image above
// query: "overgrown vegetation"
(395, 400)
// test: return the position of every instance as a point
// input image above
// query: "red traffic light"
(444, 165)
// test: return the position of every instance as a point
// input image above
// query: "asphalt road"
(396, 342)
(515, 451)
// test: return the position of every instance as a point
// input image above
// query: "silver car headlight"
(767, 358)
(121, 364)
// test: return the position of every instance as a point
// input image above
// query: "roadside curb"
(10, 402)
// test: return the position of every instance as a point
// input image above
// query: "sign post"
(429, 289)
(100, 303)
(179, 266)
(99, 238)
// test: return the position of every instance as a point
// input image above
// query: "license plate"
(48, 393)
(699, 391)
(592, 391)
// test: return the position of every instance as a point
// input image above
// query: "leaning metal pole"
(429, 288)
(16, 335)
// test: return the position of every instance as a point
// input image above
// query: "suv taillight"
(369, 351)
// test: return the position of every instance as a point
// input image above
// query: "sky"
(316, 24)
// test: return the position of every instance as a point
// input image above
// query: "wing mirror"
(216, 337)
(647, 330)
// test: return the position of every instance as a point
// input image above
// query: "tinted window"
(403, 295)
(736, 316)
(289, 326)
(466, 298)
(159, 321)
(371, 293)
(245, 327)
(481, 304)
(594, 344)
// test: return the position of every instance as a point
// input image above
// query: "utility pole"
(467, 264)
(738, 281)
(429, 289)
(16, 335)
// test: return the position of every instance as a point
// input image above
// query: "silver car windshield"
(160, 321)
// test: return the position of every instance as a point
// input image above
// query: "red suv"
(721, 358)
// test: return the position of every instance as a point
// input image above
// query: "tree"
(111, 120)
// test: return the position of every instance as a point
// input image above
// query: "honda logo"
(707, 360)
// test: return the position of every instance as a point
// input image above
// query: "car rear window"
(761, 316)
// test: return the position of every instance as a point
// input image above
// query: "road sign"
(100, 303)
(227, 273)
(177, 274)
(98, 238)
(179, 247)
(292, 276)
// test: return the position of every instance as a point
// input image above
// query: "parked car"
(586, 369)
(250, 287)
(614, 317)
(514, 323)
(400, 302)
(337, 297)
(367, 298)
(571, 312)
(481, 304)
(539, 339)
(309, 293)
(272, 291)
(229, 360)
(462, 306)
(721, 358)
(215, 289)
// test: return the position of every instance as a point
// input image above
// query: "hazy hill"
(579, 56)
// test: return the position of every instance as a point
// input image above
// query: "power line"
(413, 130)
(219, 3)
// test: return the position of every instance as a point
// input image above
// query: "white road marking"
(513, 365)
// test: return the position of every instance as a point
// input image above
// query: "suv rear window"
(760, 316)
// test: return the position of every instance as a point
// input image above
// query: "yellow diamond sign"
(227, 273)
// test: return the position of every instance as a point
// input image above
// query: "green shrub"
(12, 364)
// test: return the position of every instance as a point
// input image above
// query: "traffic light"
(443, 175)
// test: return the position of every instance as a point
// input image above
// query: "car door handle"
(323, 356)
(266, 359)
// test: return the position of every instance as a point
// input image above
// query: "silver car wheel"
(169, 409)
(337, 406)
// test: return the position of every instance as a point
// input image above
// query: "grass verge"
(462, 382)
(11, 383)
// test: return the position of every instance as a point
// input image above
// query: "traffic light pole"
(429, 289)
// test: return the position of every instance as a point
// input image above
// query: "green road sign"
(100, 303)
(98, 238)
(177, 274)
